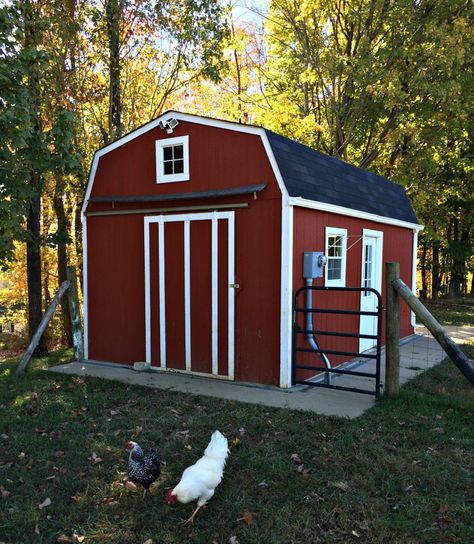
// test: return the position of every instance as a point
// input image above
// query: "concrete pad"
(317, 400)
(417, 354)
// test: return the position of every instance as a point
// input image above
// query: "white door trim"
(378, 235)
(215, 293)
(186, 219)
(187, 293)
(161, 283)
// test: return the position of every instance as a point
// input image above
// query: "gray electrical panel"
(313, 264)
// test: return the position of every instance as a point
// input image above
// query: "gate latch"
(234, 285)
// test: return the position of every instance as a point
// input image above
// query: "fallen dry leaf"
(343, 486)
(443, 508)
(443, 523)
(325, 457)
(78, 538)
(233, 540)
(37, 531)
(131, 485)
(247, 517)
(64, 538)
(149, 541)
(58, 453)
(45, 503)
(4, 492)
(296, 459)
(95, 458)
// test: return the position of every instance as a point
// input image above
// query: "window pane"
(334, 246)
(168, 153)
(178, 151)
(334, 269)
(179, 166)
(168, 168)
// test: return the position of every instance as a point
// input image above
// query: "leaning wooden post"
(392, 332)
(75, 314)
(41, 328)
(459, 358)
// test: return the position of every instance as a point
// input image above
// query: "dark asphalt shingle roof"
(313, 175)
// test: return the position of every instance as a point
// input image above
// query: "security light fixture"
(170, 124)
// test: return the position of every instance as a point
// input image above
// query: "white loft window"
(336, 246)
(172, 159)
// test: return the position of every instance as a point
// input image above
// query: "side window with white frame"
(172, 159)
(336, 246)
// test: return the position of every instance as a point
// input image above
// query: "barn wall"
(309, 235)
(218, 159)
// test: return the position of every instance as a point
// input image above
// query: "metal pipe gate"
(297, 330)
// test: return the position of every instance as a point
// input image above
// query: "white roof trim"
(227, 125)
(341, 210)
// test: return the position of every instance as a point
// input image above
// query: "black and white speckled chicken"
(143, 469)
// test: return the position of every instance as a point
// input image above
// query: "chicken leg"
(191, 519)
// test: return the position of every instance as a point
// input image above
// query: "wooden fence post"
(41, 328)
(392, 332)
(75, 314)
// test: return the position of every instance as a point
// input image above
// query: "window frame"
(335, 231)
(160, 145)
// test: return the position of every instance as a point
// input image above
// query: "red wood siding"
(309, 235)
(218, 159)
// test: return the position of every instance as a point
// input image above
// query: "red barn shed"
(194, 234)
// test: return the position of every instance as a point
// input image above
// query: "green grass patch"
(452, 311)
(399, 474)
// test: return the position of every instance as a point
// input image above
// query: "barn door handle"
(234, 285)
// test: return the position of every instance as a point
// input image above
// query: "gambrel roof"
(305, 174)
(312, 175)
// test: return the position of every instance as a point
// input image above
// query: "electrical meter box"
(313, 264)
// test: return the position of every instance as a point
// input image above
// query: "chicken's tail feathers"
(218, 447)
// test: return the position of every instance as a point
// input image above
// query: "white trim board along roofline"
(332, 208)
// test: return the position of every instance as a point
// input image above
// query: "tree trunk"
(435, 271)
(63, 229)
(33, 222)
(33, 272)
(457, 265)
(424, 279)
(113, 15)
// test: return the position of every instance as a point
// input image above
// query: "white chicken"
(199, 481)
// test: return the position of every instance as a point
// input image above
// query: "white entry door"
(371, 276)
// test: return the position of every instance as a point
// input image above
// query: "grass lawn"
(401, 473)
(459, 311)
